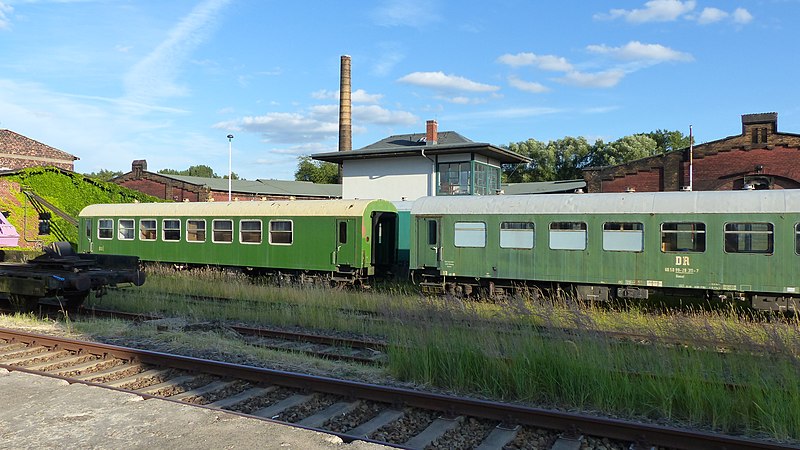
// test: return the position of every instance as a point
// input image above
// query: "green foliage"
(69, 192)
(565, 159)
(104, 175)
(316, 171)
(201, 170)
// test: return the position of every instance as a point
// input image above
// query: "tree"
(316, 171)
(622, 150)
(198, 171)
(104, 175)
(667, 141)
(557, 160)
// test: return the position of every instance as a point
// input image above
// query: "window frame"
(109, 230)
(214, 231)
(165, 230)
(727, 233)
(242, 231)
(273, 233)
(462, 240)
(614, 231)
(582, 228)
(196, 231)
(678, 234)
(121, 230)
(153, 230)
(515, 232)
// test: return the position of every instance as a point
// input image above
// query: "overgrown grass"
(552, 352)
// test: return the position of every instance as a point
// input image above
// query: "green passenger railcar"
(345, 239)
(742, 245)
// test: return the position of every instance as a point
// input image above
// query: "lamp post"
(230, 157)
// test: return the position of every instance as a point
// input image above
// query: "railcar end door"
(429, 242)
(346, 244)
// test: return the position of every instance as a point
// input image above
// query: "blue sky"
(111, 81)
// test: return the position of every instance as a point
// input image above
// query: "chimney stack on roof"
(345, 118)
(431, 132)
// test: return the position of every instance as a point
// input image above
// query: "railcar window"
(470, 234)
(105, 229)
(280, 232)
(517, 235)
(147, 229)
(745, 237)
(196, 230)
(568, 235)
(250, 231)
(343, 232)
(683, 237)
(126, 230)
(623, 236)
(171, 230)
(433, 235)
(797, 238)
(223, 231)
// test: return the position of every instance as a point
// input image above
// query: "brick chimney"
(345, 118)
(138, 167)
(431, 132)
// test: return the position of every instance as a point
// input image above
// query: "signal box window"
(147, 229)
(623, 236)
(748, 238)
(470, 234)
(196, 230)
(280, 232)
(105, 229)
(223, 231)
(126, 229)
(172, 230)
(683, 237)
(568, 235)
(250, 231)
(516, 235)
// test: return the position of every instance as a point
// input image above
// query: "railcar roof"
(339, 208)
(772, 201)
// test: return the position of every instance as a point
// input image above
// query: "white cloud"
(378, 115)
(155, 76)
(440, 81)
(357, 96)
(544, 62)
(742, 16)
(5, 11)
(409, 13)
(636, 51)
(653, 11)
(605, 79)
(527, 86)
(711, 15)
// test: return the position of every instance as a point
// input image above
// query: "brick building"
(760, 158)
(20, 152)
(200, 189)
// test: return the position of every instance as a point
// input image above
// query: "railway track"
(353, 411)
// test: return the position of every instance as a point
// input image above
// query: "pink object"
(8, 234)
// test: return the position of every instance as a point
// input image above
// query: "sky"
(112, 81)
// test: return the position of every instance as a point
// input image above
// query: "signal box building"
(409, 166)
(760, 157)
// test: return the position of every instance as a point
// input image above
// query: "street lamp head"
(230, 136)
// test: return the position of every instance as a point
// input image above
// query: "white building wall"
(407, 178)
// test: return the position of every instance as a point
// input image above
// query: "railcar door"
(429, 242)
(346, 245)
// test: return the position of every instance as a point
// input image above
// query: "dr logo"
(682, 261)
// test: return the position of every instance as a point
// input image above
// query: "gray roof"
(264, 187)
(716, 202)
(414, 145)
(543, 187)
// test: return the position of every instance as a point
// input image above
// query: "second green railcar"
(345, 241)
(741, 245)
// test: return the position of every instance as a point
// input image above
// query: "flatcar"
(342, 241)
(736, 245)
